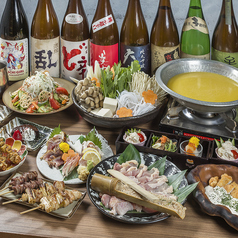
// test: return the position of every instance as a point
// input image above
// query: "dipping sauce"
(204, 86)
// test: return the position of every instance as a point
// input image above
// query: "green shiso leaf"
(55, 131)
(130, 153)
(184, 192)
(176, 179)
(159, 164)
(91, 136)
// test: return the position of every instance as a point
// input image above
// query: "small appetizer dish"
(135, 137)
(217, 190)
(12, 155)
(226, 150)
(191, 147)
(164, 143)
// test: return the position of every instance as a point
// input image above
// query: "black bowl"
(117, 122)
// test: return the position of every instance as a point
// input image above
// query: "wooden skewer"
(30, 210)
(11, 201)
(5, 188)
(11, 191)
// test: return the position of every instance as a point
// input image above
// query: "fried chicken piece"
(213, 181)
(225, 179)
(230, 187)
(234, 192)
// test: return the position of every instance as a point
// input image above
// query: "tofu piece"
(95, 111)
(110, 103)
(105, 112)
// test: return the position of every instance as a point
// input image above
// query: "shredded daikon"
(142, 82)
(135, 102)
(41, 81)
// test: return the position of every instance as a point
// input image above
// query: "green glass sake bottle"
(225, 36)
(195, 41)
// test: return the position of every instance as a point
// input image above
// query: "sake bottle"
(74, 42)
(164, 37)
(45, 39)
(195, 42)
(225, 36)
(104, 39)
(14, 40)
(134, 38)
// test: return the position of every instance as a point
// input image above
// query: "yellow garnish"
(194, 140)
(64, 147)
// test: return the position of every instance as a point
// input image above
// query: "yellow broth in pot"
(204, 86)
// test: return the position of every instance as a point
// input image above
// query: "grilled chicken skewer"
(21, 188)
(34, 195)
(25, 177)
(57, 200)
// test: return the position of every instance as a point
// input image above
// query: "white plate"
(55, 174)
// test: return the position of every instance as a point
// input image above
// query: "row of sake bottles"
(80, 48)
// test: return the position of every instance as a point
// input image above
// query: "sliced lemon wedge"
(91, 149)
(92, 155)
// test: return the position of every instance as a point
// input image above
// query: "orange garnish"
(163, 139)
(96, 80)
(113, 72)
(68, 155)
(149, 96)
(124, 112)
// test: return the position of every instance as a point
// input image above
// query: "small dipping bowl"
(183, 146)
(140, 143)
(3, 77)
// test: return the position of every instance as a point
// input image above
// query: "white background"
(211, 10)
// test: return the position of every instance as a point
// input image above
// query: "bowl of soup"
(205, 86)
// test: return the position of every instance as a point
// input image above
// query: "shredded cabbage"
(41, 81)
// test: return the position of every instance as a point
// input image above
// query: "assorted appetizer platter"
(71, 157)
(39, 94)
(53, 198)
(30, 134)
(162, 187)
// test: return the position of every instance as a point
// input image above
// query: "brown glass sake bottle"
(104, 40)
(45, 39)
(74, 42)
(14, 40)
(164, 37)
(134, 38)
(225, 36)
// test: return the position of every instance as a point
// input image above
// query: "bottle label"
(102, 23)
(73, 18)
(45, 55)
(15, 53)
(140, 53)
(105, 55)
(161, 55)
(195, 23)
(225, 57)
(74, 59)
(206, 56)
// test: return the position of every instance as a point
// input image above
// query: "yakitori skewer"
(57, 200)
(34, 195)
(25, 177)
(19, 189)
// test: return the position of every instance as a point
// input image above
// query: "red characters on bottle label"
(105, 55)
(102, 23)
(74, 59)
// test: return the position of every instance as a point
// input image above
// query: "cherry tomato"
(17, 135)
(235, 154)
(31, 108)
(53, 103)
(61, 90)
(141, 137)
